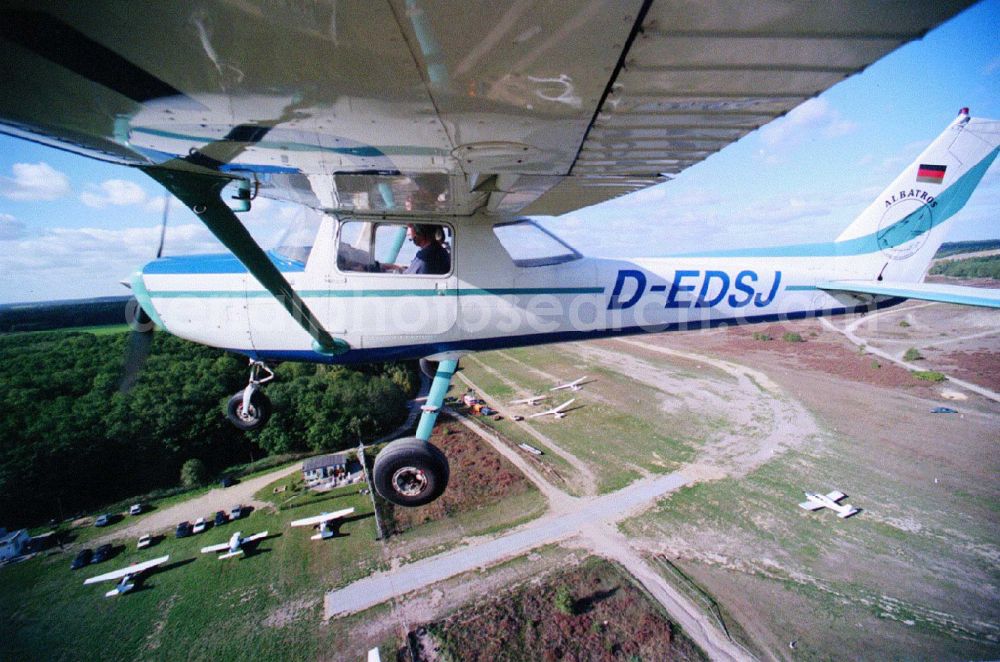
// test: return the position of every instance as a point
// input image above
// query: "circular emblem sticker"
(903, 228)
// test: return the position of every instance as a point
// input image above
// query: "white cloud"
(10, 228)
(813, 118)
(34, 181)
(117, 192)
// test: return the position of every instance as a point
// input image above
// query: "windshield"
(297, 241)
(531, 246)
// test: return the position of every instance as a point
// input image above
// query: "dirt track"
(205, 506)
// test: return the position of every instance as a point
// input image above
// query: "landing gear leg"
(411, 471)
(249, 409)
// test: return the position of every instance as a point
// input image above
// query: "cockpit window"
(297, 241)
(398, 248)
(530, 246)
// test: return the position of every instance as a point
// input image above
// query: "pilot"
(433, 257)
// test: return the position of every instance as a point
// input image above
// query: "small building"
(324, 467)
(12, 544)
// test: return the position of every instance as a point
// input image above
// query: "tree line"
(70, 440)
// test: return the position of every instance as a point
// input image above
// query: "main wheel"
(410, 472)
(257, 413)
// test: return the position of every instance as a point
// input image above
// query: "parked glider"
(235, 546)
(534, 400)
(557, 412)
(128, 577)
(575, 385)
(417, 141)
(324, 522)
(818, 501)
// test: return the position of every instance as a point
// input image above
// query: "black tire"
(410, 472)
(428, 367)
(259, 411)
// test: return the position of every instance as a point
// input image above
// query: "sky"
(72, 227)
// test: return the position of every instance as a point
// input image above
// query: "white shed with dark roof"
(324, 466)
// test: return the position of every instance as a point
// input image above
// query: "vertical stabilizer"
(908, 221)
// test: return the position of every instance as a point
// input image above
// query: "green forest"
(71, 441)
(973, 267)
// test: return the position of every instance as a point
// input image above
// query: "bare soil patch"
(480, 477)
(609, 619)
(979, 367)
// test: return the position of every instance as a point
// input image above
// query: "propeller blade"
(137, 345)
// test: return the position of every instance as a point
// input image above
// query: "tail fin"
(907, 223)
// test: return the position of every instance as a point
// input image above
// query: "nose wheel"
(249, 409)
(410, 472)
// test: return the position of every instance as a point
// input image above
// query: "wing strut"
(202, 194)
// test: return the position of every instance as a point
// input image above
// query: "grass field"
(264, 606)
(905, 570)
(629, 421)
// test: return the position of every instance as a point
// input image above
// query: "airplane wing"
(256, 536)
(130, 570)
(215, 548)
(969, 296)
(540, 107)
(811, 505)
(325, 517)
(835, 495)
(563, 406)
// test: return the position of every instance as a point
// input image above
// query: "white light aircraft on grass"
(533, 400)
(323, 521)
(128, 577)
(446, 127)
(235, 546)
(573, 386)
(557, 412)
(818, 501)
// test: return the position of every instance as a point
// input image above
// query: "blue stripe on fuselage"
(216, 263)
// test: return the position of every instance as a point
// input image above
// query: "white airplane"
(323, 521)
(555, 411)
(454, 131)
(235, 545)
(533, 400)
(818, 501)
(573, 386)
(128, 576)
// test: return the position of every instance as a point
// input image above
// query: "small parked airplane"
(235, 545)
(533, 400)
(573, 386)
(129, 576)
(323, 520)
(818, 501)
(556, 411)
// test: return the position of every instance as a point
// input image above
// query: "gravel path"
(166, 519)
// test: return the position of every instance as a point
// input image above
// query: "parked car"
(227, 481)
(81, 559)
(102, 520)
(144, 542)
(199, 525)
(236, 513)
(220, 518)
(135, 509)
(102, 554)
(183, 530)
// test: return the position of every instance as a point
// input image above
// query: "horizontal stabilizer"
(969, 296)
(847, 513)
(835, 495)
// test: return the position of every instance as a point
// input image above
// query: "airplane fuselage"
(489, 301)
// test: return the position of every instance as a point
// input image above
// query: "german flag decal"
(932, 174)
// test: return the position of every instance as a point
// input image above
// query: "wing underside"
(537, 107)
(937, 292)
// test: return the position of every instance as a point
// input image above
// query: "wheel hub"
(409, 481)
